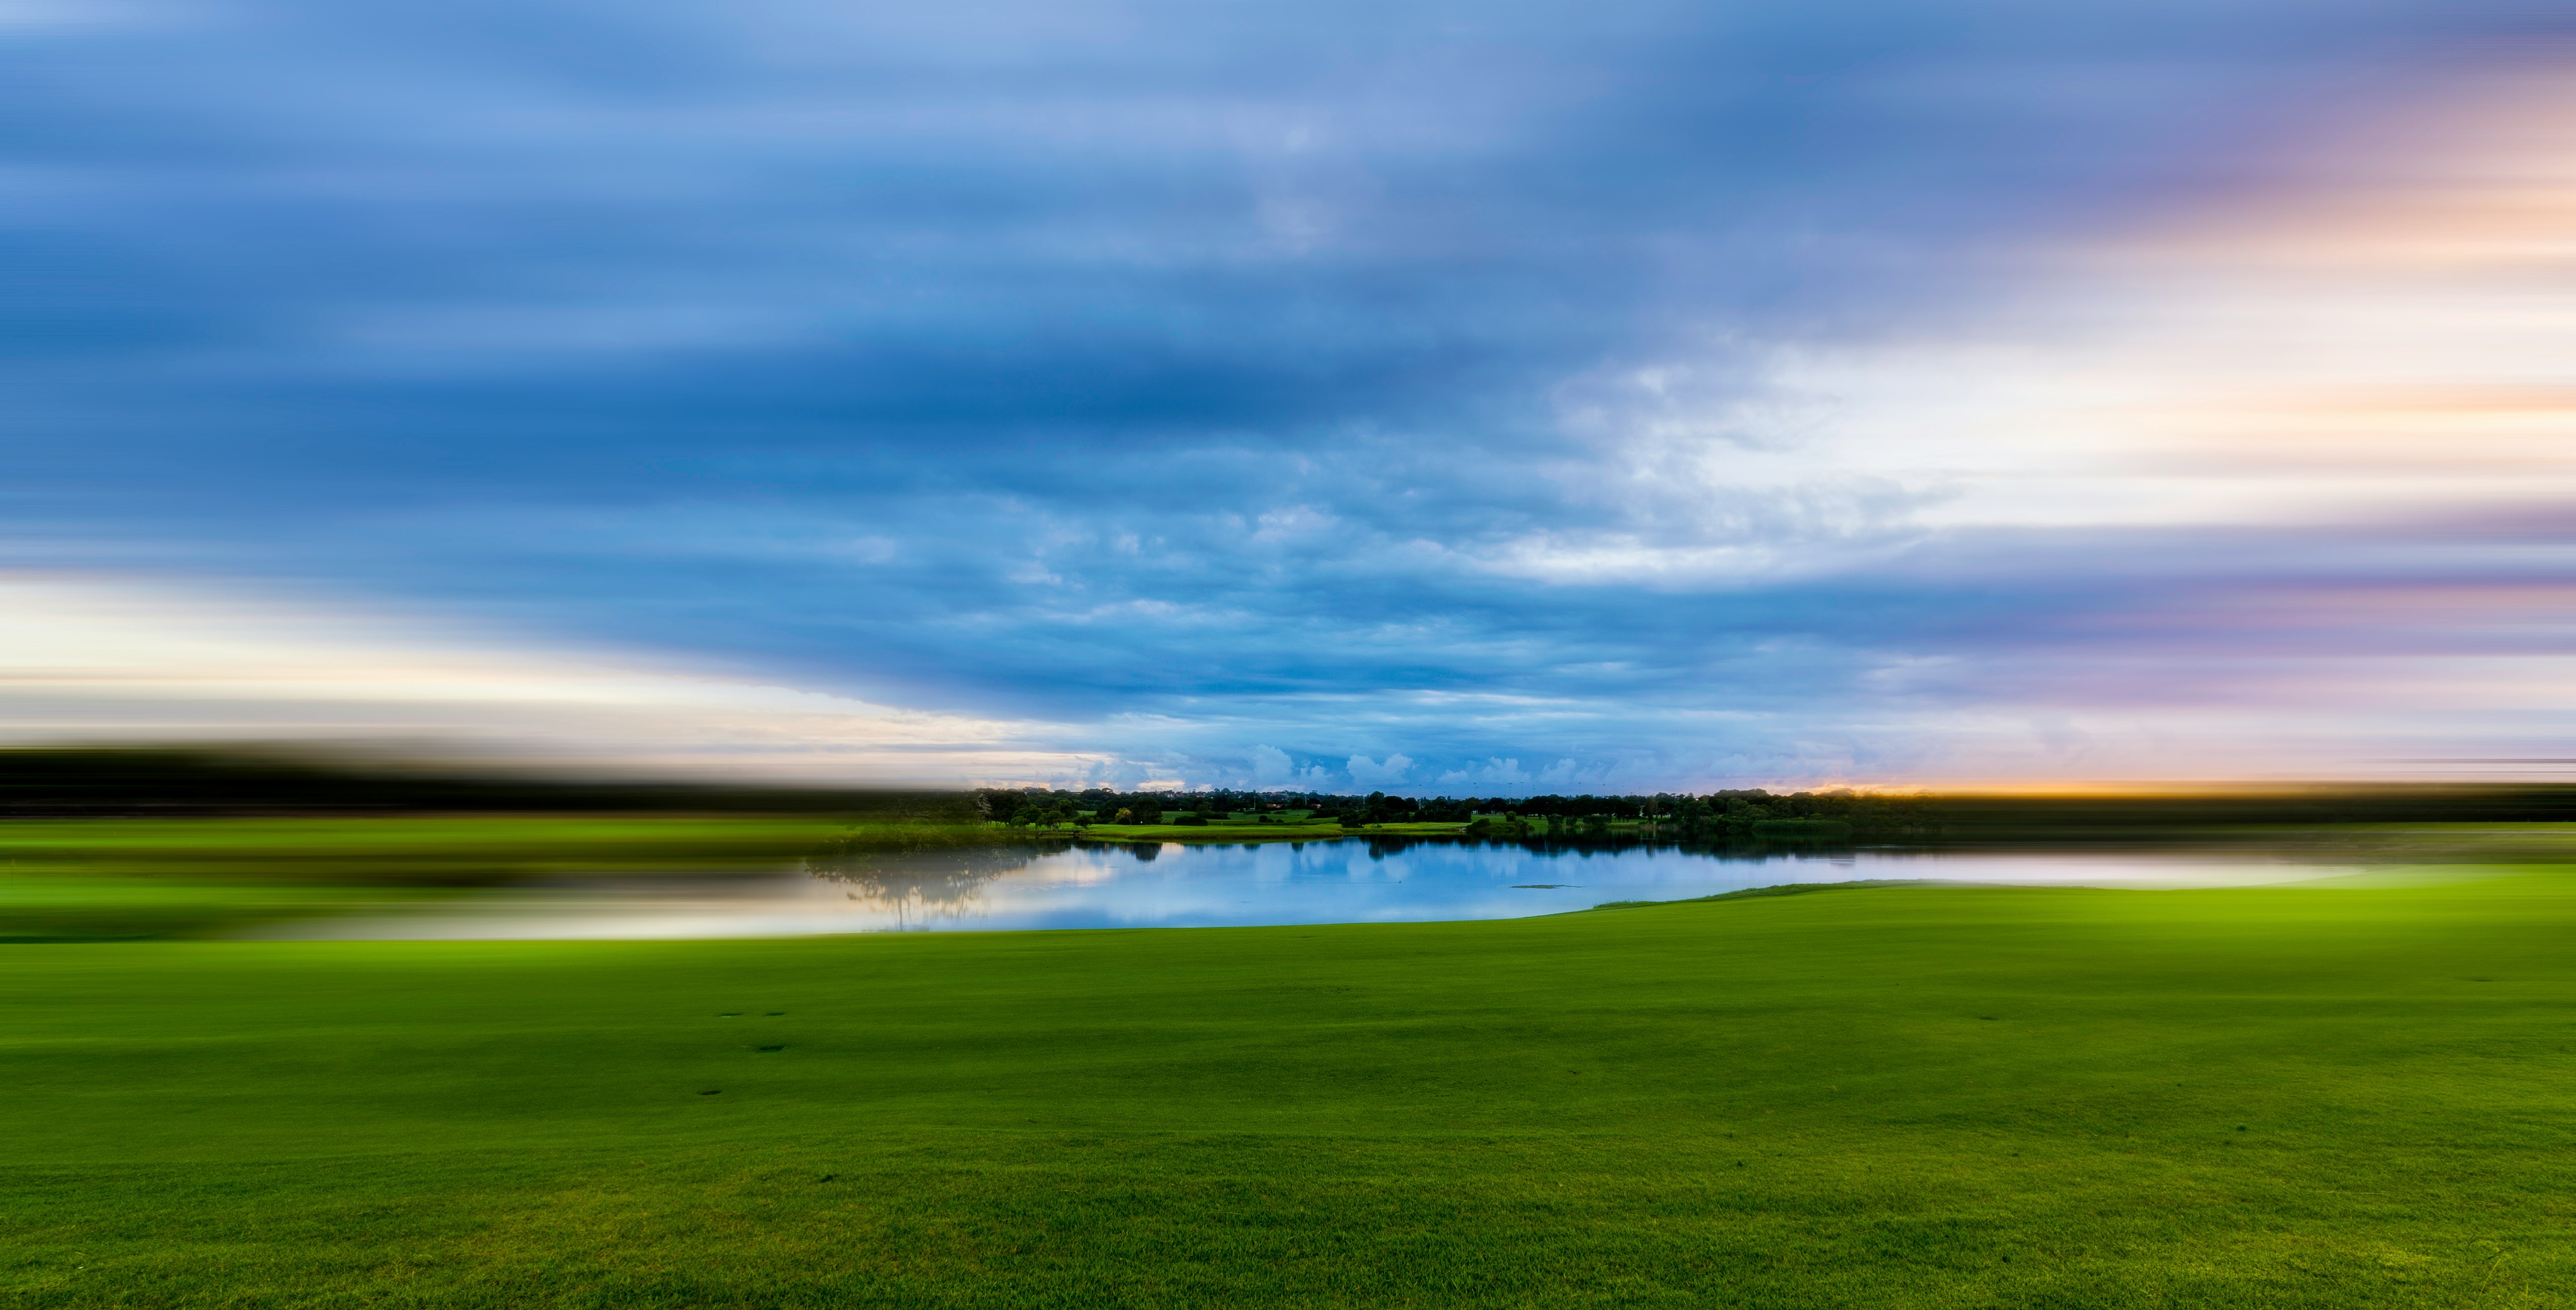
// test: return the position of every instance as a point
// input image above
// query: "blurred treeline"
(2179, 816)
(100, 844)
(1870, 817)
(76, 782)
(142, 783)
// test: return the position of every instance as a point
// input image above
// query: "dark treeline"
(1827, 815)
(1105, 804)
(116, 782)
(135, 782)
(1664, 813)
(1039, 805)
(2148, 817)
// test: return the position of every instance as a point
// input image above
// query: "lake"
(1143, 885)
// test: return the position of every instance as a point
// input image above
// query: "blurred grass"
(123, 878)
(69, 879)
(1886, 1096)
(130, 878)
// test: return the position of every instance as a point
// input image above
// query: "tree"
(1000, 804)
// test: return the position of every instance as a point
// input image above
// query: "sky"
(1487, 399)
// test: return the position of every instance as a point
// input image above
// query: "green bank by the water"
(1860, 1097)
(92, 879)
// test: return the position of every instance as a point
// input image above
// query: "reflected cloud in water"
(1135, 885)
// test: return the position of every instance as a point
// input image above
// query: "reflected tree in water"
(918, 885)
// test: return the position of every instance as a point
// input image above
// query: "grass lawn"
(1891, 1096)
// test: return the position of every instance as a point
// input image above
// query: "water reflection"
(917, 886)
(1144, 884)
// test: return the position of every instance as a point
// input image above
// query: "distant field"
(1898, 1096)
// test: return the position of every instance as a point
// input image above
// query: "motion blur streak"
(88, 659)
(2298, 464)
(2384, 344)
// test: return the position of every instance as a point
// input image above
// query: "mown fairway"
(1892, 1096)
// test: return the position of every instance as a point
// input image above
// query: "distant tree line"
(56, 782)
(1752, 814)
(1680, 814)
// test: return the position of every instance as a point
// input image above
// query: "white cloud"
(2380, 338)
(1379, 774)
(1271, 767)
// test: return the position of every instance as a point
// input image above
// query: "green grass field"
(1898, 1096)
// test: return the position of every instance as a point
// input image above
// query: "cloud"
(1377, 775)
(1271, 767)
(1271, 389)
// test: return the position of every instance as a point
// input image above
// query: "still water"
(1170, 885)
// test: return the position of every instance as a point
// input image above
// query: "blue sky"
(1441, 397)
